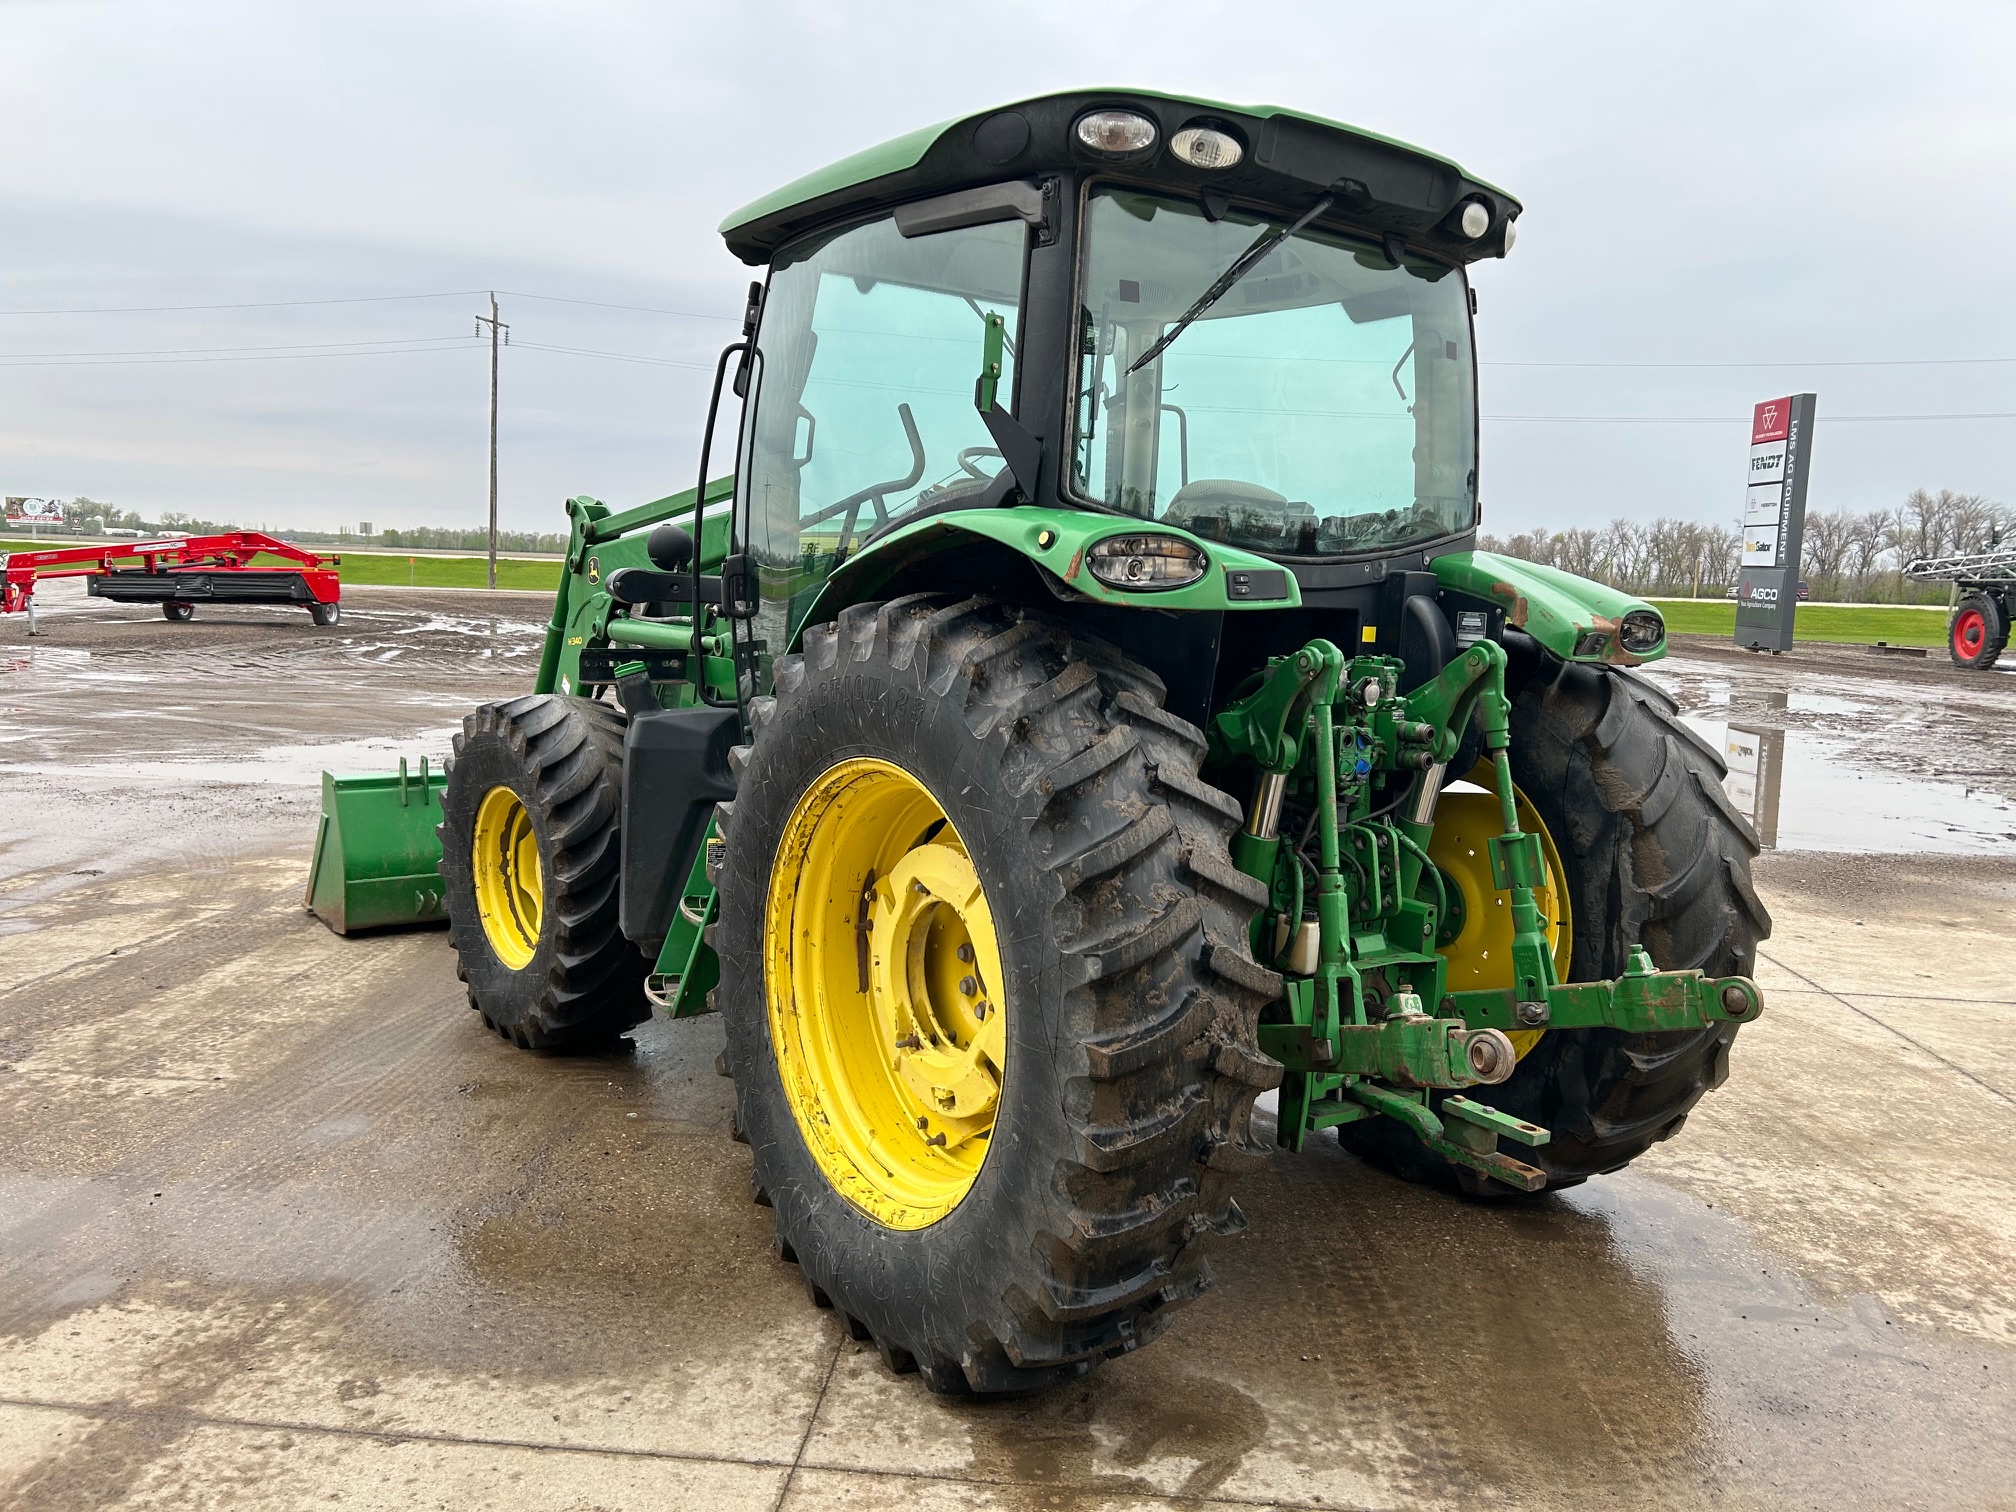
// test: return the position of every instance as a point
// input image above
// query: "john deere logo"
(594, 570)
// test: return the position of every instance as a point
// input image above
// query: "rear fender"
(1052, 543)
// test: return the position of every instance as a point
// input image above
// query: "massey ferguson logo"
(1770, 421)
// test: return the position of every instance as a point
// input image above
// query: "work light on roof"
(1476, 219)
(1207, 147)
(1117, 133)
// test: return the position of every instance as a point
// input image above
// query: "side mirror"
(670, 547)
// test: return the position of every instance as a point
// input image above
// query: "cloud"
(1712, 183)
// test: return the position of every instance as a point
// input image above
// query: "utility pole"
(497, 329)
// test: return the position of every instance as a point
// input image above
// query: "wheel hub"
(1970, 630)
(510, 886)
(884, 986)
(1480, 954)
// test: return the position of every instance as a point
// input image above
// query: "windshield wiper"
(1243, 264)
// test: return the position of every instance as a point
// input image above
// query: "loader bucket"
(377, 858)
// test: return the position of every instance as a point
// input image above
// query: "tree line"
(1847, 556)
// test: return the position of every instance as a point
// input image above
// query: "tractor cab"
(1247, 328)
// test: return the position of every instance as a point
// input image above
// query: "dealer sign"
(1774, 522)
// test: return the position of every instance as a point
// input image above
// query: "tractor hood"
(1284, 158)
(1576, 619)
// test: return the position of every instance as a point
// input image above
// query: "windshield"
(1323, 405)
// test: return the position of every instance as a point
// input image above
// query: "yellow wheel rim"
(510, 893)
(1481, 955)
(884, 985)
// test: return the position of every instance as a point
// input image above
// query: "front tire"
(178, 613)
(1653, 853)
(530, 855)
(1128, 1003)
(325, 615)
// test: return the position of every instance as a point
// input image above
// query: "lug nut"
(966, 953)
(968, 985)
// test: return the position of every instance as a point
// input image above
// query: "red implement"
(180, 572)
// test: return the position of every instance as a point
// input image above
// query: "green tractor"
(1083, 711)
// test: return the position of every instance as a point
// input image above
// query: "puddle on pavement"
(1868, 765)
(281, 765)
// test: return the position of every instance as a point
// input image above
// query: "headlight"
(1145, 562)
(1116, 133)
(1207, 147)
(1641, 630)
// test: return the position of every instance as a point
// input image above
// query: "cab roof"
(1289, 157)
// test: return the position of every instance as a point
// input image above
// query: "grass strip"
(421, 571)
(1855, 625)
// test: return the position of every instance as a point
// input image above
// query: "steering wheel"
(969, 455)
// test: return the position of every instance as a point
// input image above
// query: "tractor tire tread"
(584, 985)
(1106, 787)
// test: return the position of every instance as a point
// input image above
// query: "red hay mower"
(180, 572)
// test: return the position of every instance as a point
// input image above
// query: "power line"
(1739, 419)
(284, 346)
(601, 305)
(1828, 363)
(538, 346)
(458, 344)
(287, 304)
(264, 304)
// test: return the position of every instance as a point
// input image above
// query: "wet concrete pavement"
(281, 1225)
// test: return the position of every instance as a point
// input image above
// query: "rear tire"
(178, 613)
(324, 614)
(579, 982)
(1654, 853)
(1979, 631)
(1131, 1002)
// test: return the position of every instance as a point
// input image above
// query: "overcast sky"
(1797, 187)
